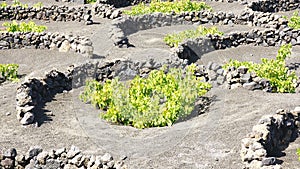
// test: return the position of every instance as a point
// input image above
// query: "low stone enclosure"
(54, 13)
(34, 92)
(274, 5)
(36, 157)
(46, 40)
(276, 34)
(269, 137)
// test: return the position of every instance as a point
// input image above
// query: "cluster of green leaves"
(3, 5)
(158, 100)
(174, 39)
(91, 1)
(18, 3)
(176, 6)
(298, 153)
(274, 70)
(23, 27)
(9, 71)
(294, 21)
(38, 5)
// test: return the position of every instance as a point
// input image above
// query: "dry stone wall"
(270, 136)
(34, 92)
(65, 158)
(73, 1)
(122, 27)
(106, 11)
(193, 49)
(53, 13)
(274, 5)
(259, 148)
(46, 40)
(122, 3)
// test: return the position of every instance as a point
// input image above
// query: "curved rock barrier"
(193, 49)
(33, 93)
(123, 27)
(240, 77)
(106, 11)
(274, 5)
(65, 158)
(269, 137)
(72, 1)
(46, 40)
(122, 3)
(236, 78)
(53, 13)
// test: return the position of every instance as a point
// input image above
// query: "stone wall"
(53, 13)
(240, 77)
(33, 93)
(36, 157)
(122, 3)
(268, 138)
(274, 5)
(46, 40)
(123, 27)
(106, 11)
(193, 49)
(73, 1)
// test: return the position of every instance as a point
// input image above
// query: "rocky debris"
(7, 158)
(37, 158)
(46, 40)
(270, 136)
(274, 5)
(53, 13)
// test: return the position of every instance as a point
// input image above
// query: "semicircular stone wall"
(46, 40)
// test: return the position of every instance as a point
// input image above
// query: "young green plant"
(274, 70)
(177, 6)
(174, 39)
(294, 21)
(9, 72)
(158, 100)
(23, 27)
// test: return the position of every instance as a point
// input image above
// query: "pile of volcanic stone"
(58, 159)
